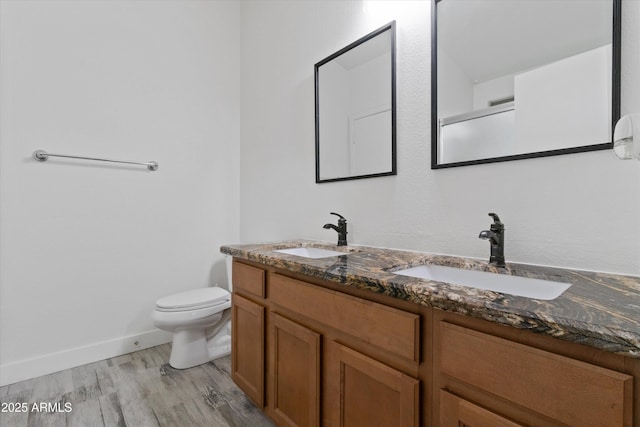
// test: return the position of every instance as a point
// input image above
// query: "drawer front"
(456, 412)
(390, 329)
(564, 389)
(248, 279)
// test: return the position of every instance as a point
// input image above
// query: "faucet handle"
(495, 217)
(338, 215)
(497, 225)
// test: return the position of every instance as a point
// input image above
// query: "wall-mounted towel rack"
(42, 156)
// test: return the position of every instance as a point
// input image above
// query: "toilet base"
(194, 347)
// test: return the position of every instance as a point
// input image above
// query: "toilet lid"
(195, 299)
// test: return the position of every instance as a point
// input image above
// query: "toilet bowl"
(200, 321)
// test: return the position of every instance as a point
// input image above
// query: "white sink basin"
(314, 253)
(504, 283)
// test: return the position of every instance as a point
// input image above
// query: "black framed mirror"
(518, 79)
(355, 109)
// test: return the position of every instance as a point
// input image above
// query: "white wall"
(87, 248)
(334, 129)
(550, 95)
(579, 211)
(456, 84)
(369, 84)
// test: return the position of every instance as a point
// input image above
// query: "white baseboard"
(53, 362)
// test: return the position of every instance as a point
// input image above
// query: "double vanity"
(361, 336)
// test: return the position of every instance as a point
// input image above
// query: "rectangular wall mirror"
(516, 79)
(355, 109)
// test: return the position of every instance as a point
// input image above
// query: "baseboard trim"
(53, 362)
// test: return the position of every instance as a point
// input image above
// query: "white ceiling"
(493, 38)
(366, 51)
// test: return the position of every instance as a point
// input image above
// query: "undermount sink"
(504, 283)
(309, 252)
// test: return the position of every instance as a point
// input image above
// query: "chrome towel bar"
(42, 156)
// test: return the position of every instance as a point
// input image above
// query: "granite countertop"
(600, 310)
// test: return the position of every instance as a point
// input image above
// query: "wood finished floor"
(135, 390)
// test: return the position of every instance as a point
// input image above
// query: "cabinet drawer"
(248, 279)
(564, 389)
(390, 329)
(456, 412)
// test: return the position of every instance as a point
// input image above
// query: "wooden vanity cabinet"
(315, 353)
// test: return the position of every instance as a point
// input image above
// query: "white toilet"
(201, 324)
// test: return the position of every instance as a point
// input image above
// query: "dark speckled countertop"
(599, 309)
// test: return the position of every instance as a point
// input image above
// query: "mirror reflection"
(355, 109)
(523, 78)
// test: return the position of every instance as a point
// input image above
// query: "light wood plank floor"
(134, 390)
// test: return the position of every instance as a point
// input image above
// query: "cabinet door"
(295, 364)
(247, 351)
(457, 412)
(373, 394)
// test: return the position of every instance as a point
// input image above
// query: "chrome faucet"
(495, 236)
(341, 228)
